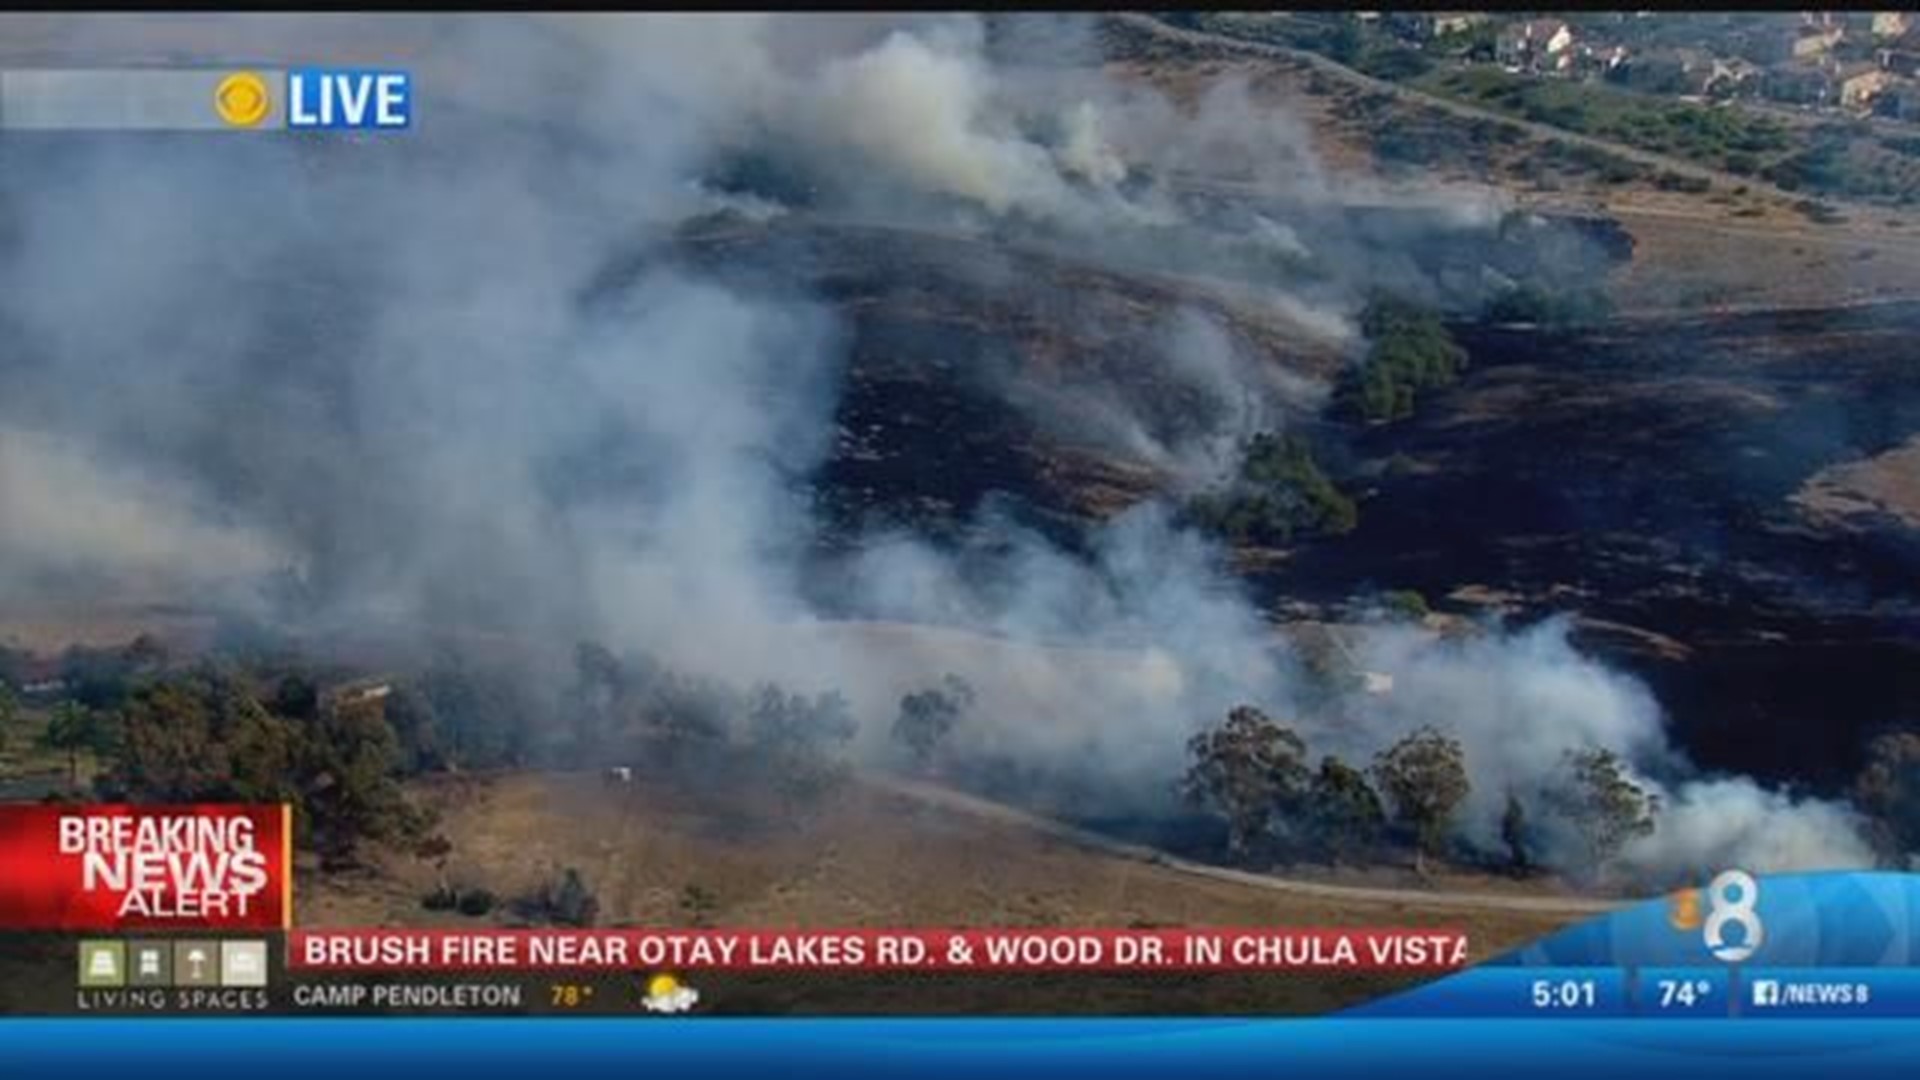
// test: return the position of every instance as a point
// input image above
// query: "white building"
(1535, 45)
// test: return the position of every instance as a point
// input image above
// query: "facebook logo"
(349, 99)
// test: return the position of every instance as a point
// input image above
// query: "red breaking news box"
(120, 867)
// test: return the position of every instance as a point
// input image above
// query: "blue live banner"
(354, 99)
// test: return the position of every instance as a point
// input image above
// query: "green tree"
(1248, 769)
(699, 904)
(1407, 604)
(1887, 791)
(72, 729)
(1410, 350)
(1346, 41)
(206, 736)
(1513, 833)
(416, 727)
(348, 764)
(799, 740)
(567, 903)
(485, 714)
(9, 713)
(202, 737)
(1603, 804)
(1279, 492)
(1346, 812)
(1424, 776)
(927, 717)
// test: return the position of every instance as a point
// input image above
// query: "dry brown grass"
(863, 857)
(1886, 486)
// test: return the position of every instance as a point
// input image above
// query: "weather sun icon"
(666, 994)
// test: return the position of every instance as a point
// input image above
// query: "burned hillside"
(821, 361)
(1672, 503)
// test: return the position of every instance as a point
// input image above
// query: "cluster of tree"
(1607, 807)
(211, 734)
(471, 715)
(1410, 351)
(928, 717)
(799, 740)
(1735, 139)
(9, 713)
(1887, 792)
(471, 901)
(1279, 492)
(1839, 161)
(1256, 775)
(638, 711)
(1407, 604)
(14, 665)
(1530, 303)
(563, 902)
(620, 703)
(72, 730)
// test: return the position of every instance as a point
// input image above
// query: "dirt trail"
(949, 799)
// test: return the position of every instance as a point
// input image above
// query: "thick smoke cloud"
(391, 367)
(1520, 702)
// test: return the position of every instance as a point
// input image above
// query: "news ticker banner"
(195, 99)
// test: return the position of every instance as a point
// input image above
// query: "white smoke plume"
(393, 366)
(1520, 702)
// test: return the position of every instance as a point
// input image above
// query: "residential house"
(1689, 73)
(1782, 43)
(1428, 25)
(1602, 60)
(1731, 77)
(1814, 41)
(1535, 45)
(1855, 85)
(1900, 63)
(1798, 84)
(1899, 100)
(40, 677)
(363, 691)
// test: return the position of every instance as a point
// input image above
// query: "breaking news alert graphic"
(120, 867)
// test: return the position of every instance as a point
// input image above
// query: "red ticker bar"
(880, 950)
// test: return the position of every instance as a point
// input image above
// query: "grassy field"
(1827, 158)
(666, 851)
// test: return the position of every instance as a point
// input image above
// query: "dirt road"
(948, 799)
(1327, 66)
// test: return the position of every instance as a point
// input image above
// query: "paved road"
(948, 799)
(1325, 65)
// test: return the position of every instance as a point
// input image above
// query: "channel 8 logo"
(1730, 927)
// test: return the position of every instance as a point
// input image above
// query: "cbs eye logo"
(1730, 905)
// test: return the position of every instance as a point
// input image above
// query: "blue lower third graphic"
(1509, 992)
(1699, 993)
(1787, 993)
(714, 1048)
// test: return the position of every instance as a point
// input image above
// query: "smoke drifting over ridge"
(386, 367)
